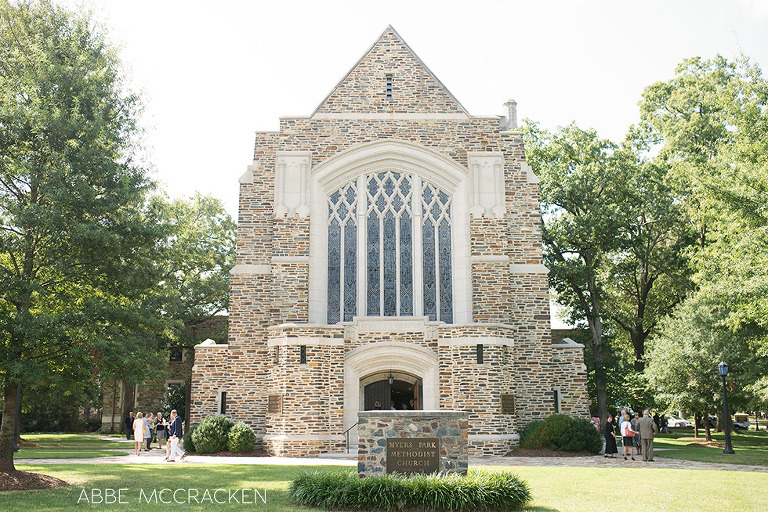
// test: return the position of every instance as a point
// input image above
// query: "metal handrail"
(346, 435)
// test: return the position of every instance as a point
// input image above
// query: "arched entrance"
(374, 362)
(385, 390)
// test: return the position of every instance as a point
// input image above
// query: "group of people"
(145, 428)
(636, 435)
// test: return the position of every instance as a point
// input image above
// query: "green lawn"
(68, 446)
(554, 488)
(751, 447)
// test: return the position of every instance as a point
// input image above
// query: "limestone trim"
(304, 340)
(529, 268)
(493, 437)
(388, 356)
(247, 269)
(486, 184)
(209, 343)
(490, 258)
(290, 259)
(396, 156)
(292, 183)
(247, 177)
(530, 176)
(470, 340)
(567, 343)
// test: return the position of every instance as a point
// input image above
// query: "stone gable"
(415, 89)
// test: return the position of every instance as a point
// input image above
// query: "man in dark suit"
(647, 429)
(175, 434)
(129, 426)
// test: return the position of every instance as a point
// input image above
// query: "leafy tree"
(579, 179)
(682, 361)
(196, 255)
(72, 227)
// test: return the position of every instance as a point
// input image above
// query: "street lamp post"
(723, 369)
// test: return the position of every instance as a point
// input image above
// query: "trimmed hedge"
(241, 438)
(562, 433)
(479, 490)
(211, 435)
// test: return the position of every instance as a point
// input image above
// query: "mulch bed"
(702, 442)
(546, 452)
(25, 481)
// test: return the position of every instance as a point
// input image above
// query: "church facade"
(389, 256)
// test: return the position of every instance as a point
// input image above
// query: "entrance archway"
(404, 392)
(374, 362)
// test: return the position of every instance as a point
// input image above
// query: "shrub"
(187, 442)
(530, 429)
(211, 435)
(549, 429)
(241, 438)
(561, 432)
(479, 490)
(580, 436)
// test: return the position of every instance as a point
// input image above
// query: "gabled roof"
(415, 88)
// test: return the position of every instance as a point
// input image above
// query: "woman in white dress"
(138, 432)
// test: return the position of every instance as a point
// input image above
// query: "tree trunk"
(696, 425)
(638, 344)
(707, 428)
(596, 328)
(8, 426)
(114, 405)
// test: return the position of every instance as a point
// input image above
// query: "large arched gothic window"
(389, 248)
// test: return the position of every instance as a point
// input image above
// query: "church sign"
(413, 455)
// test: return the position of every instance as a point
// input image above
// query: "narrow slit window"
(223, 403)
(480, 354)
(556, 396)
(303, 354)
(389, 87)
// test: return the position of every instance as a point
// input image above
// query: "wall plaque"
(274, 404)
(507, 403)
(413, 455)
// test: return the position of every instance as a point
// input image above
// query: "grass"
(68, 446)
(554, 489)
(751, 447)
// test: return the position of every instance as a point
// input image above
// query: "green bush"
(241, 438)
(561, 432)
(211, 435)
(580, 436)
(530, 429)
(479, 490)
(187, 442)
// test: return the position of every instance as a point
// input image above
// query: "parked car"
(673, 422)
(742, 421)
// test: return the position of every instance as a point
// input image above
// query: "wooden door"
(377, 395)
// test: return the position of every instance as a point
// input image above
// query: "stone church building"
(389, 255)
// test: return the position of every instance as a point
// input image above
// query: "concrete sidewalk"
(158, 457)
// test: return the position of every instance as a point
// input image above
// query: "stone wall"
(451, 427)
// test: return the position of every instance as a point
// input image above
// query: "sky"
(213, 73)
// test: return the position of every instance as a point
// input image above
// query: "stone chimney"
(509, 122)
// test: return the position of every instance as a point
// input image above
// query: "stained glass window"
(391, 234)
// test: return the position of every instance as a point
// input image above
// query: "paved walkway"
(342, 459)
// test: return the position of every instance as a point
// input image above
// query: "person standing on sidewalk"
(647, 429)
(175, 433)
